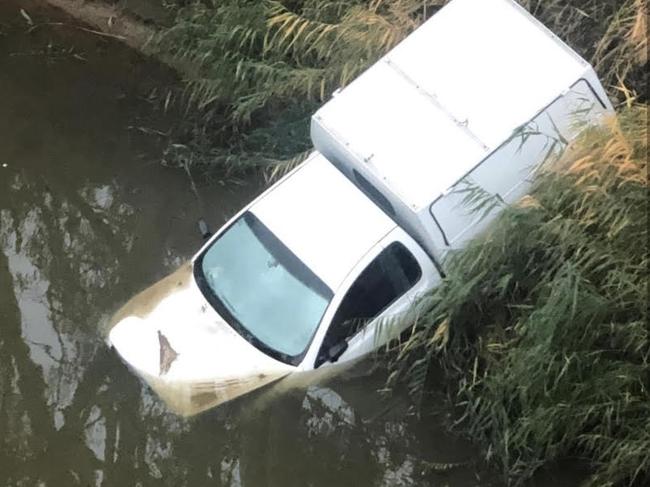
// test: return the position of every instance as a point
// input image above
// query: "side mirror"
(204, 229)
(335, 351)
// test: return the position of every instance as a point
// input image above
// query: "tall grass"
(542, 323)
(254, 53)
(611, 34)
(259, 68)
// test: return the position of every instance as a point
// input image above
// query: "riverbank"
(132, 22)
(105, 18)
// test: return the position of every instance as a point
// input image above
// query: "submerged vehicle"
(318, 269)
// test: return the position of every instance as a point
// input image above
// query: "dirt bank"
(121, 21)
(108, 19)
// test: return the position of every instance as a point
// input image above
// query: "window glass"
(502, 177)
(272, 297)
(393, 272)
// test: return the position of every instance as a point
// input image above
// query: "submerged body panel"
(171, 336)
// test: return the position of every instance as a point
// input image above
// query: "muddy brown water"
(88, 217)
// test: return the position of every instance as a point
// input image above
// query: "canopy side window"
(393, 272)
(499, 179)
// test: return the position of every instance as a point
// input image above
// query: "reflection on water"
(87, 218)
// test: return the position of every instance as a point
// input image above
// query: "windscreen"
(274, 299)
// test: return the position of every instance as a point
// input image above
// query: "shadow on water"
(87, 218)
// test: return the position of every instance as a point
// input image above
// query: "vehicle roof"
(323, 218)
(449, 94)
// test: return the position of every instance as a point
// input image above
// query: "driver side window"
(393, 272)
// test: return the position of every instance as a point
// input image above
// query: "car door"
(368, 314)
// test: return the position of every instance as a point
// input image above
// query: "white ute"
(477, 97)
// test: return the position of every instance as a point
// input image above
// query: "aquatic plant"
(541, 324)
